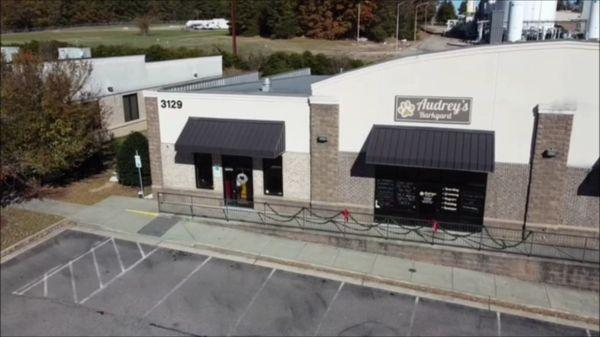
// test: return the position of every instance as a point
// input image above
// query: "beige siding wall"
(115, 116)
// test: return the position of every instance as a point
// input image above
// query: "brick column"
(154, 141)
(552, 131)
(324, 155)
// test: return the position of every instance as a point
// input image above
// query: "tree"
(143, 23)
(462, 9)
(445, 12)
(126, 169)
(279, 19)
(334, 19)
(248, 17)
(46, 125)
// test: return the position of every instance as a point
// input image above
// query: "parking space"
(135, 289)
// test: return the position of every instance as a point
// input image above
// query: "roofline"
(468, 50)
(431, 128)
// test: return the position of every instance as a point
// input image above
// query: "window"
(273, 176)
(130, 107)
(204, 175)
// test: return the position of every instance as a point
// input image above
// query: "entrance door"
(237, 181)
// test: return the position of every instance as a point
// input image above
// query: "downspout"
(531, 157)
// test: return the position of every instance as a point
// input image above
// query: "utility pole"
(397, 21)
(233, 24)
(358, 25)
(416, 12)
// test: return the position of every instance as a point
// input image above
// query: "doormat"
(159, 226)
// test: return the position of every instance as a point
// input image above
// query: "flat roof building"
(495, 135)
(118, 83)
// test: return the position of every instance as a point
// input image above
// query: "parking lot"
(82, 284)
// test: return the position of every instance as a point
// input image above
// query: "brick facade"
(581, 209)
(151, 104)
(548, 175)
(506, 193)
(324, 122)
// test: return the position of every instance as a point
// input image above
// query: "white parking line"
(97, 269)
(118, 255)
(232, 330)
(117, 276)
(141, 250)
(412, 316)
(45, 285)
(498, 322)
(177, 286)
(328, 308)
(73, 282)
(54, 270)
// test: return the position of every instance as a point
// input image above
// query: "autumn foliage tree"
(46, 126)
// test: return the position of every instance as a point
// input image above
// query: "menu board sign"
(433, 109)
(385, 192)
(450, 199)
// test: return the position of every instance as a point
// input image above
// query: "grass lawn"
(175, 36)
(91, 190)
(17, 224)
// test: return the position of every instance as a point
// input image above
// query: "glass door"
(237, 181)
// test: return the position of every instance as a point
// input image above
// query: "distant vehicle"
(207, 24)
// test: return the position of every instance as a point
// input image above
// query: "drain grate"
(159, 226)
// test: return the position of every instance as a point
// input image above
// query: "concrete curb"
(35, 239)
(482, 302)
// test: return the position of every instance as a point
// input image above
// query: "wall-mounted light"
(110, 89)
(321, 139)
(550, 153)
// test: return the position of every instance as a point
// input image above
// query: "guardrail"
(489, 238)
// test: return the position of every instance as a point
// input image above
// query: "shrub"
(128, 174)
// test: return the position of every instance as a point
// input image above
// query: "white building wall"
(506, 82)
(130, 73)
(294, 111)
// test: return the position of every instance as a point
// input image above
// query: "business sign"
(433, 109)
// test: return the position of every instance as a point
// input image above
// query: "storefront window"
(204, 176)
(130, 107)
(450, 197)
(273, 177)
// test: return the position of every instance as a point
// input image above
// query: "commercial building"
(118, 82)
(497, 134)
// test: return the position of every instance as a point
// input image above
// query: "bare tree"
(143, 23)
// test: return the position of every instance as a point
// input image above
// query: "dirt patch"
(17, 224)
(90, 190)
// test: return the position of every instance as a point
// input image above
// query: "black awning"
(438, 148)
(235, 137)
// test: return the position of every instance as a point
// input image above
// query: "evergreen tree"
(248, 17)
(463, 7)
(445, 12)
(279, 20)
(126, 169)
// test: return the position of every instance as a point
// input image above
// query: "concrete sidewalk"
(138, 219)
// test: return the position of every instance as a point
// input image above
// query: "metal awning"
(437, 148)
(235, 137)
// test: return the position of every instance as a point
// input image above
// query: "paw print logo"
(406, 109)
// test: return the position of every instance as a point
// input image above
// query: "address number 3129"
(171, 104)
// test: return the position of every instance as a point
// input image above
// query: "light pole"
(416, 12)
(358, 25)
(397, 21)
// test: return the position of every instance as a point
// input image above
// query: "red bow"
(345, 214)
(436, 226)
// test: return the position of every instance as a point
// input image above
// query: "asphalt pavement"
(83, 284)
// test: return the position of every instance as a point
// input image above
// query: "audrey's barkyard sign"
(433, 109)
